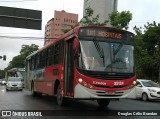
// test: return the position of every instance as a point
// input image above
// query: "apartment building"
(58, 25)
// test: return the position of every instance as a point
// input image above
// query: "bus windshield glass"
(106, 56)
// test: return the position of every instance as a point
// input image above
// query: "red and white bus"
(89, 62)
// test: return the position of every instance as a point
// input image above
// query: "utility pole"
(3, 57)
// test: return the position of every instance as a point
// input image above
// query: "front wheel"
(60, 98)
(103, 102)
(144, 97)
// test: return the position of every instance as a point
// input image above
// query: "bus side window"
(37, 61)
(50, 58)
(42, 59)
(58, 52)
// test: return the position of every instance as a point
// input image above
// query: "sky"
(143, 11)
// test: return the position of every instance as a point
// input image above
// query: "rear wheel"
(144, 97)
(103, 102)
(60, 98)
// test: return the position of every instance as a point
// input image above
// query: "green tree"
(148, 50)
(89, 20)
(120, 19)
(139, 52)
(27, 50)
(19, 60)
(2, 74)
(117, 19)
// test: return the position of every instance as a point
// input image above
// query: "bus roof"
(54, 41)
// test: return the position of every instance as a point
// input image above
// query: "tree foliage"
(89, 20)
(148, 51)
(2, 74)
(117, 19)
(19, 60)
(120, 19)
(27, 50)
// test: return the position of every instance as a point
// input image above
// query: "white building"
(101, 7)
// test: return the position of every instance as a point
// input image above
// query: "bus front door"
(68, 69)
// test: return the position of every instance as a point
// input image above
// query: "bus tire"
(103, 102)
(60, 98)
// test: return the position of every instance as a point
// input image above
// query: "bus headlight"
(134, 82)
(80, 80)
(85, 84)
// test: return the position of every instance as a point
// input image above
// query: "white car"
(14, 83)
(3, 82)
(147, 89)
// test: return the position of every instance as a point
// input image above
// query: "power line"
(23, 33)
(26, 38)
(17, 0)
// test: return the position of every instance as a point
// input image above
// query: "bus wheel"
(60, 98)
(103, 102)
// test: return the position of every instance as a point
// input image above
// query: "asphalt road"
(22, 100)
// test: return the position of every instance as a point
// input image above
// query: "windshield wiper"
(118, 49)
(99, 49)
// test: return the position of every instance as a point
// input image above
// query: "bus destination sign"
(105, 32)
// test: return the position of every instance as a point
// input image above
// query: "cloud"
(11, 40)
(11, 47)
(143, 11)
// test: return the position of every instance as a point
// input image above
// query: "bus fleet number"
(118, 83)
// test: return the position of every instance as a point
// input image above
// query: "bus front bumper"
(82, 92)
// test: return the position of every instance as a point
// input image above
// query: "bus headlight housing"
(80, 80)
(134, 82)
(85, 84)
(132, 85)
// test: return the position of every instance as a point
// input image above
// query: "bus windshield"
(106, 56)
